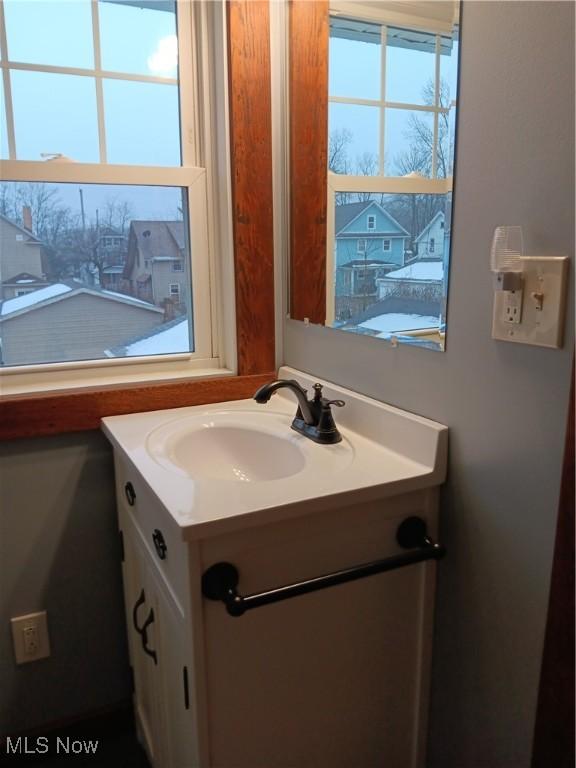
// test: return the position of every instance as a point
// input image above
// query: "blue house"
(367, 231)
(369, 243)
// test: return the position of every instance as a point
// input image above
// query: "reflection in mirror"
(392, 75)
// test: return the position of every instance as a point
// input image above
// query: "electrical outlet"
(30, 637)
(539, 305)
(512, 307)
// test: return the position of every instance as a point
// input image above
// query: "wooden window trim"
(52, 413)
(308, 86)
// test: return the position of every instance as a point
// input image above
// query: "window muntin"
(371, 222)
(182, 172)
(386, 245)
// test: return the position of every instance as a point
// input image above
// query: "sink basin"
(228, 446)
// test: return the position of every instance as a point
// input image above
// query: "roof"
(154, 239)
(397, 322)
(428, 226)
(361, 263)
(168, 338)
(419, 270)
(65, 290)
(347, 213)
(31, 238)
(24, 278)
(400, 305)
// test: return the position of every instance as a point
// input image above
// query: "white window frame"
(371, 219)
(386, 245)
(361, 250)
(201, 42)
(178, 263)
(338, 183)
(431, 245)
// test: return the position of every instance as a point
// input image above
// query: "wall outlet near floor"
(534, 314)
(30, 637)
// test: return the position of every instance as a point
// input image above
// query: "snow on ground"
(34, 297)
(420, 270)
(171, 340)
(396, 323)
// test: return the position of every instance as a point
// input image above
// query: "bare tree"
(338, 142)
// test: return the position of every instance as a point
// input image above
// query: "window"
(431, 245)
(390, 145)
(125, 111)
(361, 246)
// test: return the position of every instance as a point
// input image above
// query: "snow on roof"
(34, 297)
(395, 322)
(124, 297)
(419, 270)
(168, 338)
(29, 300)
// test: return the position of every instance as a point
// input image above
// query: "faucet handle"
(318, 397)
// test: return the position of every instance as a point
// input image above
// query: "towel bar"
(219, 582)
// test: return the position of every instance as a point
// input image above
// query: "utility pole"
(83, 213)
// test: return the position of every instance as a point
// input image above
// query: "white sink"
(224, 466)
(238, 447)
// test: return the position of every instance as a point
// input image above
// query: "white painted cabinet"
(333, 679)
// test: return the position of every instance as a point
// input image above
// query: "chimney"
(169, 313)
(27, 217)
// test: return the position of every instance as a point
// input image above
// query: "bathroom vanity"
(330, 677)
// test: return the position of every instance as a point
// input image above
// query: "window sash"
(385, 19)
(193, 26)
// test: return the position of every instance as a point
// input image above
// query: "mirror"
(385, 84)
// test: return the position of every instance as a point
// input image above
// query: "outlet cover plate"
(544, 327)
(19, 624)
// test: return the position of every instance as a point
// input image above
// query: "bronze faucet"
(313, 418)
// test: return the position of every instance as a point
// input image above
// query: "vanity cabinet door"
(159, 650)
(141, 616)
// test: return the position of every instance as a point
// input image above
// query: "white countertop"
(388, 452)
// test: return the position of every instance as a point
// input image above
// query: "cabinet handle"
(141, 600)
(160, 544)
(130, 493)
(144, 634)
(219, 582)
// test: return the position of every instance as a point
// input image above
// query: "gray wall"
(506, 404)
(59, 552)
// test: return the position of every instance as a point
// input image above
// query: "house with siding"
(70, 321)
(111, 250)
(155, 268)
(21, 268)
(429, 244)
(369, 243)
